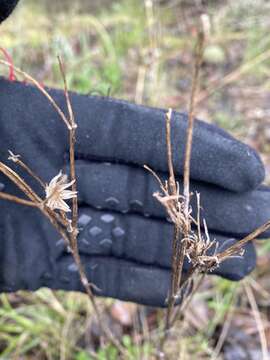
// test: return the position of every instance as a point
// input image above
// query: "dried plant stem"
(183, 307)
(176, 237)
(174, 278)
(72, 141)
(179, 243)
(5, 196)
(16, 159)
(216, 85)
(52, 216)
(182, 227)
(187, 243)
(26, 189)
(74, 233)
(15, 178)
(40, 88)
(59, 220)
(195, 80)
(258, 320)
(172, 183)
(237, 247)
(189, 137)
(224, 331)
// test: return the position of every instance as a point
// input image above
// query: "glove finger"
(116, 278)
(6, 8)
(118, 131)
(128, 280)
(135, 134)
(129, 189)
(144, 241)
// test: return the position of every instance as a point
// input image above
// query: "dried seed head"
(13, 157)
(56, 193)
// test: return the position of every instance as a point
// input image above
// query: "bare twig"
(15, 178)
(217, 84)
(74, 231)
(189, 136)
(186, 243)
(179, 246)
(258, 320)
(59, 220)
(172, 191)
(72, 141)
(186, 302)
(238, 247)
(41, 89)
(225, 329)
(5, 196)
(172, 182)
(178, 206)
(17, 160)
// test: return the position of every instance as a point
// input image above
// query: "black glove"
(6, 7)
(125, 241)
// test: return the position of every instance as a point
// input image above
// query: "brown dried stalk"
(17, 160)
(182, 231)
(189, 137)
(29, 192)
(5, 196)
(67, 228)
(187, 243)
(15, 178)
(237, 248)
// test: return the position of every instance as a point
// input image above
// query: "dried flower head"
(56, 193)
(13, 157)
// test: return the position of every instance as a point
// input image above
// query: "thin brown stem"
(187, 159)
(180, 239)
(74, 232)
(72, 141)
(59, 220)
(237, 247)
(41, 89)
(195, 80)
(173, 288)
(172, 191)
(71, 119)
(52, 216)
(224, 332)
(16, 159)
(29, 192)
(5, 196)
(155, 176)
(172, 183)
(188, 300)
(259, 322)
(14, 177)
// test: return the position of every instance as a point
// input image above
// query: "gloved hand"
(125, 241)
(6, 7)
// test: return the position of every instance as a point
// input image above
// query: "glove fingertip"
(6, 8)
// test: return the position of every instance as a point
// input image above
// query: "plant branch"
(5, 196)
(237, 247)
(15, 178)
(59, 220)
(74, 230)
(41, 89)
(17, 160)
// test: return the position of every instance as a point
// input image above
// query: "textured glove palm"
(125, 241)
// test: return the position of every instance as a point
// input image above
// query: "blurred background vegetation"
(141, 50)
